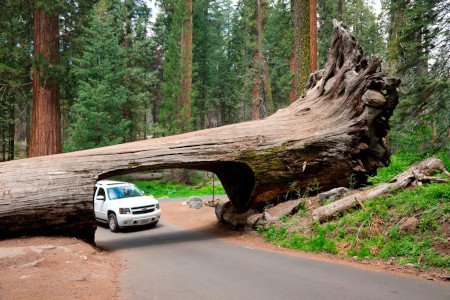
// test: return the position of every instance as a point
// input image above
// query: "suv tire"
(151, 225)
(112, 223)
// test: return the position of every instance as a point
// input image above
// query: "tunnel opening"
(237, 179)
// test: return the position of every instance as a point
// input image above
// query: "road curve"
(169, 263)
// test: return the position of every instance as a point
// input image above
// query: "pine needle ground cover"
(374, 232)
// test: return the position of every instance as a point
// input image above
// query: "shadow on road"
(160, 235)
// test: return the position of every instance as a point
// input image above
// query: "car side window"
(101, 192)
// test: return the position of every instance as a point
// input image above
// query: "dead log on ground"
(415, 175)
(336, 129)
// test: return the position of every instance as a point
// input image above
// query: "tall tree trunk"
(3, 144)
(393, 41)
(262, 104)
(156, 92)
(12, 130)
(313, 34)
(302, 55)
(256, 91)
(126, 114)
(265, 87)
(340, 8)
(292, 94)
(45, 137)
(184, 97)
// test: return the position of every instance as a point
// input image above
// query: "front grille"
(143, 209)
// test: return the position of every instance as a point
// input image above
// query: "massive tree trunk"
(45, 136)
(336, 130)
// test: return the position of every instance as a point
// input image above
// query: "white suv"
(122, 204)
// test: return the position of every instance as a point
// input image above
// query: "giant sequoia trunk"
(335, 130)
(45, 137)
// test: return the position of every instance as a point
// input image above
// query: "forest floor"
(67, 268)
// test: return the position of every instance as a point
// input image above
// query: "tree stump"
(336, 130)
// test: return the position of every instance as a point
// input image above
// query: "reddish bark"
(45, 136)
(257, 58)
(184, 98)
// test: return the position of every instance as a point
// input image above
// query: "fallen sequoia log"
(336, 129)
(417, 174)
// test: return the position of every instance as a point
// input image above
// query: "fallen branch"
(416, 174)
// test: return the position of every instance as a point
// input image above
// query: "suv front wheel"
(112, 221)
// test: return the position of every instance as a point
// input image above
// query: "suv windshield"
(124, 191)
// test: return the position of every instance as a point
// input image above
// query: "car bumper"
(136, 220)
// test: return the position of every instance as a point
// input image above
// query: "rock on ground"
(195, 202)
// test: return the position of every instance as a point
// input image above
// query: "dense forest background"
(78, 74)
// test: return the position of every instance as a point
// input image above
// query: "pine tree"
(73, 17)
(15, 80)
(357, 15)
(240, 49)
(279, 35)
(170, 89)
(252, 86)
(420, 44)
(212, 106)
(157, 51)
(97, 112)
(138, 76)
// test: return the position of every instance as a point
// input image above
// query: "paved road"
(169, 263)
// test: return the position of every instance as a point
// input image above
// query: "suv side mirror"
(100, 197)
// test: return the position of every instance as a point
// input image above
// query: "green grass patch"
(374, 233)
(318, 241)
(161, 188)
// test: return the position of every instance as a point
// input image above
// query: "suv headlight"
(124, 211)
(157, 205)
